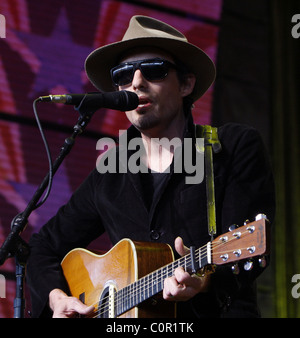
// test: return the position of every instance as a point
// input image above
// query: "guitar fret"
(136, 301)
(153, 289)
(154, 283)
(138, 295)
(133, 294)
(118, 303)
(174, 266)
(160, 282)
(120, 296)
(126, 297)
(144, 282)
(130, 296)
(144, 287)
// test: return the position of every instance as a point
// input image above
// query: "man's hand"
(183, 286)
(64, 306)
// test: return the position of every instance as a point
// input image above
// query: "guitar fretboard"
(153, 283)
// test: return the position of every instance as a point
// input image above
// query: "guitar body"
(91, 276)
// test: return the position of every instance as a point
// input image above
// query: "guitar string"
(137, 286)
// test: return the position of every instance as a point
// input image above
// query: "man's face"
(160, 100)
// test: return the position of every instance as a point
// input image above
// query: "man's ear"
(187, 86)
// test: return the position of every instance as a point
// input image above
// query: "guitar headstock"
(244, 242)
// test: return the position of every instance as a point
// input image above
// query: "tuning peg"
(235, 269)
(262, 261)
(260, 216)
(248, 265)
(246, 222)
(233, 227)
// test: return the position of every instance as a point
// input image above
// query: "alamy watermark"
(296, 288)
(2, 26)
(296, 28)
(2, 286)
(186, 160)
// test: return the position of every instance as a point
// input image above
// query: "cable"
(48, 155)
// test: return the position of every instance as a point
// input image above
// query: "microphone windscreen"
(122, 100)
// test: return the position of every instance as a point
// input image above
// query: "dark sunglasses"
(152, 70)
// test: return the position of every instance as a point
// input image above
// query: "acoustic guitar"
(127, 280)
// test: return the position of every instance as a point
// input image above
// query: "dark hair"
(182, 72)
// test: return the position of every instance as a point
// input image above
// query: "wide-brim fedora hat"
(144, 31)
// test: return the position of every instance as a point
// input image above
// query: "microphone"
(121, 100)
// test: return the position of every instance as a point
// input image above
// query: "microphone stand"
(14, 245)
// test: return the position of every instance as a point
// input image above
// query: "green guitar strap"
(211, 144)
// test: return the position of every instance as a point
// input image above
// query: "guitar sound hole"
(103, 305)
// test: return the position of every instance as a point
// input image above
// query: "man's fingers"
(81, 308)
(68, 307)
(171, 288)
(183, 286)
(180, 247)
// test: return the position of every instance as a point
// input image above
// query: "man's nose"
(138, 80)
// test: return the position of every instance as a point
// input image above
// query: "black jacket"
(117, 203)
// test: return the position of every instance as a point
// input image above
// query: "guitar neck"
(153, 283)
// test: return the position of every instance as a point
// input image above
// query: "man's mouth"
(144, 103)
